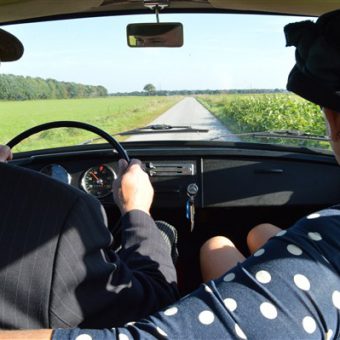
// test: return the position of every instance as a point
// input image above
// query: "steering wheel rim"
(73, 124)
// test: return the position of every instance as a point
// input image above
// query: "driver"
(57, 266)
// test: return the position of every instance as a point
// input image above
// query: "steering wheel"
(72, 124)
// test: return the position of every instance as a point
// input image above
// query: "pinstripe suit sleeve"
(33, 210)
(93, 286)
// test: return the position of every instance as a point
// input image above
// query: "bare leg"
(260, 234)
(217, 256)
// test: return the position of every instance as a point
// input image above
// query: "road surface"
(189, 112)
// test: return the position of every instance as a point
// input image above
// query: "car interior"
(202, 187)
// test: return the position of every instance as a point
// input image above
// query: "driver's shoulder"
(19, 179)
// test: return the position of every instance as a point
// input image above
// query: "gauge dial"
(57, 172)
(98, 180)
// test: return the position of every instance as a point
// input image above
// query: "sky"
(219, 52)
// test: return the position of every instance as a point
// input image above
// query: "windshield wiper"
(289, 134)
(160, 128)
(152, 129)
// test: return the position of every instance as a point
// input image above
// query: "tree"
(24, 88)
(150, 89)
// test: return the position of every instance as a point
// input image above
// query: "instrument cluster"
(97, 180)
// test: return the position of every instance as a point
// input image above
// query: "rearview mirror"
(169, 34)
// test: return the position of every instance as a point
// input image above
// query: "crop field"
(241, 113)
(244, 113)
(112, 114)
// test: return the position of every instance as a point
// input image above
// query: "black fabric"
(57, 268)
(316, 74)
(10, 47)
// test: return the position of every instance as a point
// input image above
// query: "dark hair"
(10, 47)
(316, 74)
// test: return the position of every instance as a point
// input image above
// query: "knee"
(214, 243)
(217, 256)
(258, 230)
(260, 234)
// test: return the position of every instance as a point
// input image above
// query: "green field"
(244, 113)
(113, 114)
(241, 113)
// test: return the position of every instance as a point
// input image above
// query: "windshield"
(226, 81)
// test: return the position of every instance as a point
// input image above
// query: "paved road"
(189, 112)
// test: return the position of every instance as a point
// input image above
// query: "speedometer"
(98, 180)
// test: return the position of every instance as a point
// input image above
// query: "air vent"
(178, 168)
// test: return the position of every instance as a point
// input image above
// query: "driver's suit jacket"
(57, 266)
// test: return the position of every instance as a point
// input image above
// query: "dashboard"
(224, 177)
(171, 178)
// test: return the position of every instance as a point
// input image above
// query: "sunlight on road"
(189, 112)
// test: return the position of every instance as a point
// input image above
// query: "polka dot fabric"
(289, 289)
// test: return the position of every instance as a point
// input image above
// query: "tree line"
(155, 92)
(14, 87)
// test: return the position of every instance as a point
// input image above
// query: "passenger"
(62, 270)
(315, 77)
(290, 287)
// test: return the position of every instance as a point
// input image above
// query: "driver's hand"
(5, 153)
(132, 189)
